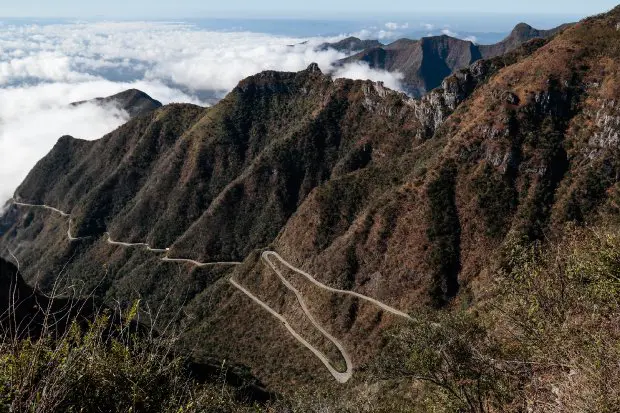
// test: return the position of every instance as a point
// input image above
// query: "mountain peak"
(133, 101)
(314, 68)
(522, 26)
(426, 62)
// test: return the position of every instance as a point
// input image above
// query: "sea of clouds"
(43, 68)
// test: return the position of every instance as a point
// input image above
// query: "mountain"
(350, 45)
(411, 202)
(132, 101)
(521, 33)
(426, 62)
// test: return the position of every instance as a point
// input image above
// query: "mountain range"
(426, 62)
(410, 201)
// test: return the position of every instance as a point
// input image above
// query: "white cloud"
(32, 118)
(223, 68)
(428, 26)
(472, 39)
(362, 71)
(43, 68)
(170, 52)
(27, 137)
(396, 26)
(469, 38)
(376, 34)
(450, 33)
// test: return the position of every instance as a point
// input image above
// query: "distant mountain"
(132, 101)
(426, 62)
(349, 45)
(520, 34)
(410, 201)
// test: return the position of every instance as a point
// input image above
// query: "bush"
(458, 364)
(561, 304)
(544, 337)
(103, 367)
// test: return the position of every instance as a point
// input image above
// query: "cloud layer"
(44, 68)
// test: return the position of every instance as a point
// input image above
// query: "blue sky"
(289, 8)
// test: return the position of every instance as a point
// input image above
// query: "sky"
(288, 8)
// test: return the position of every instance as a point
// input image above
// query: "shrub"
(104, 366)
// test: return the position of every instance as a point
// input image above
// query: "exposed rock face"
(425, 63)
(132, 101)
(408, 201)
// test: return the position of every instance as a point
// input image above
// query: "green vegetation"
(545, 337)
(444, 232)
(102, 367)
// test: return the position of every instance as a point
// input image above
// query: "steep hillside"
(410, 202)
(425, 63)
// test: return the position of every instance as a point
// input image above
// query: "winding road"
(58, 211)
(267, 256)
(340, 377)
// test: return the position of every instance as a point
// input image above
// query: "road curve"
(267, 254)
(306, 310)
(110, 241)
(58, 211)
(341, 377)
(71, 237)
(124, 244)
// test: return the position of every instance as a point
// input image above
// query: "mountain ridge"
(427, 61)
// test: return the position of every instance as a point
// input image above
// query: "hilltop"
(132, 101)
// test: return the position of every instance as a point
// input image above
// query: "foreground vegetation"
(104, 366)
(542, 336)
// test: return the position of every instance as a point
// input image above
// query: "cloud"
(45, 67)
(428, 26)
(176, 53)
(373, 33)
(450, 33)
(396, 26)
(223, 68)
(32, 118)
(362, 71)
(472, 39)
